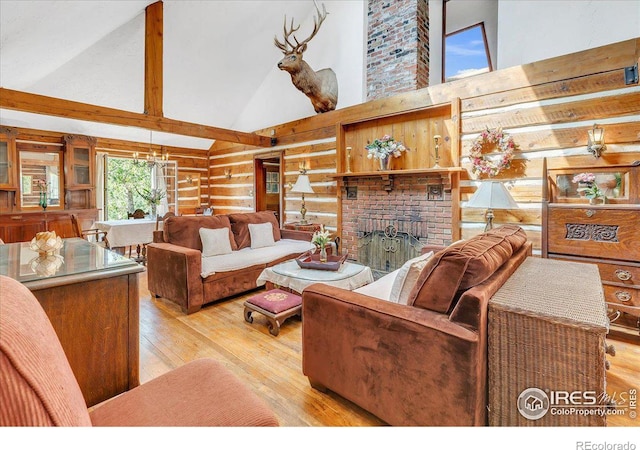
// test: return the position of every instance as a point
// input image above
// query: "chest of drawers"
(606, 234)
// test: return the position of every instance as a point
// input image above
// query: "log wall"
(546, 106)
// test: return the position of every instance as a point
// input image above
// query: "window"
(466, 53)
(40, 180)
(273, 182)
(126, 180)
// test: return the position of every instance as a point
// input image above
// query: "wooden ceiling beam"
(153, 44)
(51, 106)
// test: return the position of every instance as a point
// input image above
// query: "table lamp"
(492, 195)
(302, 186)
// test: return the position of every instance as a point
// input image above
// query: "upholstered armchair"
(38, 387)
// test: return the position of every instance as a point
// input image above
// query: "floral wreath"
(499, 139)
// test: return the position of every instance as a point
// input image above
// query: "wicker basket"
(547, 327)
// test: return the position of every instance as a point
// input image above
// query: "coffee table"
(289, 275)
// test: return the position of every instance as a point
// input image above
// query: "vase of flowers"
(153, 198)
(588, 187)
(384, 149)
(321, 239)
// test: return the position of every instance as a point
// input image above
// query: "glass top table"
(288, 274)
(77, 257)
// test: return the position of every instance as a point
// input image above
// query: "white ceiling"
(216, 56)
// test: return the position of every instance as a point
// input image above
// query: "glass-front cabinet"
(8, 177)
(79, 164)
(604, 184)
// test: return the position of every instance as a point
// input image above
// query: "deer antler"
(287, 33)
(317, 22)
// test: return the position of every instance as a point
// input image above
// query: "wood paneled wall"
(546, 106)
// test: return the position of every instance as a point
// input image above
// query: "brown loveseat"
(419, 364)
(175, 262)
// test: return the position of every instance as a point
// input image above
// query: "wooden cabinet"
(79, 168)
(22, 227)
(606, 233)
(9, 183)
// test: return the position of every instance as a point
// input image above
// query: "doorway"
(268, 183)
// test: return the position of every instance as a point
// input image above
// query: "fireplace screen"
(387, 249)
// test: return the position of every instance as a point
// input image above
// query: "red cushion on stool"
(276, 300)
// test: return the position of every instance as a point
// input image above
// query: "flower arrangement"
(589, 186)
(385, 147)
(499, 139)
(321, 238)
(152, 196)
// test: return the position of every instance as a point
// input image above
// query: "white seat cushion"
(246, 257)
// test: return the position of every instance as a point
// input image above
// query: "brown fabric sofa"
(38, 387)
(174, 259)
(420, 364)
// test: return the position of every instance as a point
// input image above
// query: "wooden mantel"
(452, 173)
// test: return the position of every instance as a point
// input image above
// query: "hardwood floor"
(272, 366)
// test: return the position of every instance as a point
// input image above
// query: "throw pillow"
(240, 229)
(215, 241)
(407, 277)
(261, 235)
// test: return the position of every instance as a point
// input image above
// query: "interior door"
(268, 183)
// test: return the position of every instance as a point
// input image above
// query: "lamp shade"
(302, 185)
(492, 195)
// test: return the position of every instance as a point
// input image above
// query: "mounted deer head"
(321, 86)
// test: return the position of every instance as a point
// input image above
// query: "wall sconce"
(189, 179)
(227, 174)
(595, 142)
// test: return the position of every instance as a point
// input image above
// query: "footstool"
(276, 305)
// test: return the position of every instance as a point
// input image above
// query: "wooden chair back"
(163, 218)
(137, 214)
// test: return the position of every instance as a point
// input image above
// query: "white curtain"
(161, 184)
(101, 159)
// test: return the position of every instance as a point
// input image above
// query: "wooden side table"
(547, 327)
(313, 227)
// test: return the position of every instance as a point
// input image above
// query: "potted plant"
(153, 198)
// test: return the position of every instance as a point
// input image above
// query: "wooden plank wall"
(189, 160)
(546, 106)
(235, 192)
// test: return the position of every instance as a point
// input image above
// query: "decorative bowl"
(46, 242)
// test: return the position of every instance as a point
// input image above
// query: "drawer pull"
(623, 275)
(623, 296)
(590, 213)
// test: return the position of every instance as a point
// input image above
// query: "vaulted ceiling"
(216, 57)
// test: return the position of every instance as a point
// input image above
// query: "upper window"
(466, 53)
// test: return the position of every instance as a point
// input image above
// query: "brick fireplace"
(409, 209)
